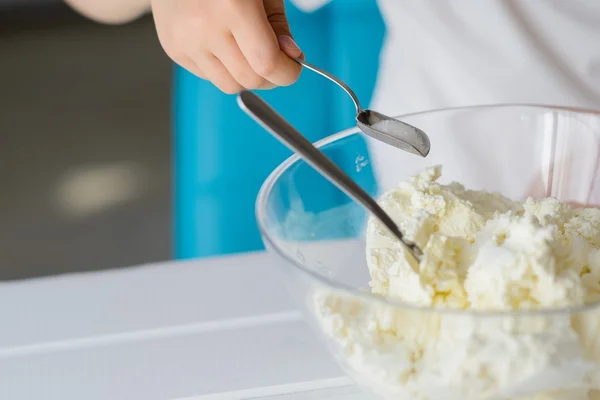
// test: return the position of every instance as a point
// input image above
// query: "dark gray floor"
(84, 144)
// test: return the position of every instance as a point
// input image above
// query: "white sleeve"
(310, 5)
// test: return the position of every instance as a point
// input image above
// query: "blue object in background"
(222, 156)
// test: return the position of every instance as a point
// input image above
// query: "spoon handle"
(333, 79)
(275, 124)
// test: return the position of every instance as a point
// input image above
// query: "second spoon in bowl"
(285, 132)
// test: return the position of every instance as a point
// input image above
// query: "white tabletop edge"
(297, 387)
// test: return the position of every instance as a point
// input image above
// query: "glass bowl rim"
(265, 190)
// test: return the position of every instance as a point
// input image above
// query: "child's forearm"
(110, 11)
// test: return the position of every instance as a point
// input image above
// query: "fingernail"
(289, 47)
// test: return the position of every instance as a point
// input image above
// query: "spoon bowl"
(393, 132)
(379, 126)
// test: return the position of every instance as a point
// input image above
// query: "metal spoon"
(381, 127)
(275, 124)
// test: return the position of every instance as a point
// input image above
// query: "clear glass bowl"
(400, 351)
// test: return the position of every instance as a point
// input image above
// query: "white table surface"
(220, 328)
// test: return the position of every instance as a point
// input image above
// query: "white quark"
(456, 338)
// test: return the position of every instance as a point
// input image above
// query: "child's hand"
(235, 44)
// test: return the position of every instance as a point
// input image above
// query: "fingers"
(229, 72)
(259, 44)
(234, 61)
(216, 72)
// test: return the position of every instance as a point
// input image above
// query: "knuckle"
(174, 54)
(168, 44)
(174, 42)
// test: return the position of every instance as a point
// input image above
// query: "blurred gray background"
(85, 147)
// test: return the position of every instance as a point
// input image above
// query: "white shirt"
(451, 53)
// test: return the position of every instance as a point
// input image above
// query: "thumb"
(275, 10)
